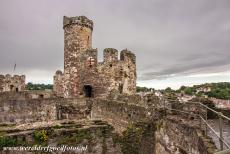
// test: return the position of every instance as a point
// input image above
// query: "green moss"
(104, 146)
(159, 125)
(7, 142)
(131, 140)
(2, 134)
(76, 139)
(57, 127)
(40, 137)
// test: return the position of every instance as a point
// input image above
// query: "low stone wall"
(22, 109)
(120, 114)
(23, 95)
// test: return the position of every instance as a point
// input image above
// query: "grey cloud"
(196, 66)
(168, 37)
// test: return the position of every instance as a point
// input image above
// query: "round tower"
(77, 39)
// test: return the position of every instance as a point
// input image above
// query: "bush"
(40, 137)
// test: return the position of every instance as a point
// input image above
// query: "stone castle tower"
(83, 75)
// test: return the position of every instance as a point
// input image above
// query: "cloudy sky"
(177, 42)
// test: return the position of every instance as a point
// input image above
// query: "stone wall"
(175, 133)
(121, 74)
(24, 107)
(182, 136)
(138, 121)
(12, 83)
(119, 114)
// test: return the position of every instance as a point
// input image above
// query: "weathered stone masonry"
(12, 83)
(83, 75)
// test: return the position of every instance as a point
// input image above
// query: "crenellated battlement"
(110, 55)
(127, 55)
(12, 83)
(59, 72)
(12, 77)
(79, 20)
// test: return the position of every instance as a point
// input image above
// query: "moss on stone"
(76, 139)
(131, 139)
(7, 142)
(40, 136)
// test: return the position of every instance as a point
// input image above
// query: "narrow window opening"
(11, 87)
(41, 96)
(88, 90)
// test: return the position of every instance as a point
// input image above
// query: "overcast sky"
(177, 42)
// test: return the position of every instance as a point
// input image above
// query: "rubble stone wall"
(12, 83)
(173, 135)
(21, 108)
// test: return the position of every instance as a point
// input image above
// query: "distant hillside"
(144, 89)
(217, 90)
(31, 86)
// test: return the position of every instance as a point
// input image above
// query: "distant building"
(12, 83)
(203, 89)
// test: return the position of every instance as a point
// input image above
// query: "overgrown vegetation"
(31, 86)
(216, 90)
(144, 89)
(40, 137)
(7, 142)
(131, 139)
(75, 139)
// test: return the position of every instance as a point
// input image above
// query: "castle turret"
(110, 55)
(77, 37)
(78, 53)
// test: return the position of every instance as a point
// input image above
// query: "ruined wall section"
(23, 107)
(176, 134)
(12, 83)
(110, 69)
(129, 71)
(121, 74)
(120, 114)
(77, 38)
(2, 78)
(58, 86)
(89, 75)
